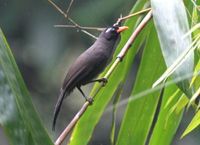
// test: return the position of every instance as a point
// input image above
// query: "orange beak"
(122, 28)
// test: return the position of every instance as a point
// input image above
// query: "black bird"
(89, 64)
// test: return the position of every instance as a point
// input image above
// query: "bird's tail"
(62, 95)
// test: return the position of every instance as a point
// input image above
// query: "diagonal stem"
(61, 11)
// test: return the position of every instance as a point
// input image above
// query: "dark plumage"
(89, 64)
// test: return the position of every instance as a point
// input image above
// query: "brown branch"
(82, 27)
(70, 19)
(132, 15)
(135, 33)
(69, 7)
(120, 57)
(58, 8)
(72, 123)
(75, 25)
(89, 34)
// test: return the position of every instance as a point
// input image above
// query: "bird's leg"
(90, 100)
(103, 80)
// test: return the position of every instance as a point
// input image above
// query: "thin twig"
(135, 33)
(69, 7)
(114, 65)
(59, 9)
(70, 19)
(84, 28)
(81, 28)
(131, 15)
(75, 25)
(89, 34)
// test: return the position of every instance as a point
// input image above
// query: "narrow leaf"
(114, 113)
(194, 97)
(166, 125)
(139, 113)
(18, 116)
(171, 24)
(196, 83)
(193, 124)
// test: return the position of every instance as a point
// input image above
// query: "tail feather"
(62, 95)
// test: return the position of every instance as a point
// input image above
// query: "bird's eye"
(110, 30)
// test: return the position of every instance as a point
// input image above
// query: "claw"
(90, 100)
(104, 81)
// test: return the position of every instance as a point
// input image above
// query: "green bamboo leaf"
(196, 78)
(139, 113)
(170, 99)
(195, 17)
(84, 128)
(181, 103)
(166, 125)
(194, 97)
(114, 113)
(18, 116)
(171, 24)
(193, 124)
(196, 83)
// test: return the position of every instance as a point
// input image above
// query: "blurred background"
(43, 54)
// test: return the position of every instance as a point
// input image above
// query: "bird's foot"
(90, 100)
(103, 81)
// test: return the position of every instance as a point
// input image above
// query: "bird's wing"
(76, 73)
(68, 85)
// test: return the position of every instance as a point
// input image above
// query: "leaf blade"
(21, 124)
(167, 122)
(171, 24)
(143, 109)
(193, 124)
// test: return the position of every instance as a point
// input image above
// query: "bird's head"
(113, 32)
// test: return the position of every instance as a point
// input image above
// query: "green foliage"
(194, 124)
(18, 116)
(140, 112)
(167, 122)
(152, 115)
(172, 25)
